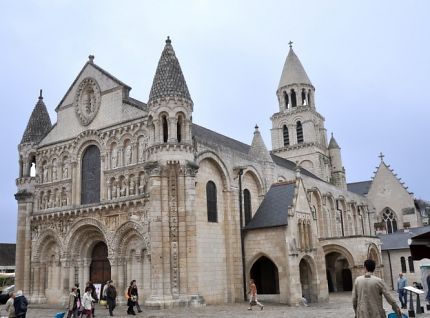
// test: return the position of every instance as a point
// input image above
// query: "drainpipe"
(242, 234)
(341, 217)
(391, 270)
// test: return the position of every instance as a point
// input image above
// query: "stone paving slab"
(338, 306)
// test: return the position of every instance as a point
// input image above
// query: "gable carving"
(87, 100)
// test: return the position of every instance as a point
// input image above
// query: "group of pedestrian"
(16, 305)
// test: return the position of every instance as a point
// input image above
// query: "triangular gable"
(301, 203)
(108, 81)
(385, 182)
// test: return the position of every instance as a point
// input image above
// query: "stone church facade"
(121, 189)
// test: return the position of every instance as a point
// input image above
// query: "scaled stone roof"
(361, 188)
(258, 148)
(39, 123)
(293, 72)
(7, 254)
(399, 240)
(168, 80)
(333, 143)
(273, 211)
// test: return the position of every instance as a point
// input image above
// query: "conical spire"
(293, 72)
(333, 144)
(258, 148)
(168, 80)
(39, 123)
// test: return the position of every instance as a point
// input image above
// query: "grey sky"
(368, 60)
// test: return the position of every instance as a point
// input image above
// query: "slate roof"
(39, 123)
(168, 80)
(399, 240)
(293, 71)
(211, 137)
(273, 211)
(361, 188)
(7, 254)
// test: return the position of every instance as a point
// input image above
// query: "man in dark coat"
(20, 304)
(111, 297)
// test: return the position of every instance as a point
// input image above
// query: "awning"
(420, 246)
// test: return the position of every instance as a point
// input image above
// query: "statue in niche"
(114, 158)
(114, 190)
(65, 171)
(132, 186)
(57, 199)
(123, 188)
(54, 172)
(45, 173)
(63, 198)
(128, 155)
(51, 200)
(141, 149)
(142, 183)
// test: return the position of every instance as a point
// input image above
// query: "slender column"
(36, 280)
(173, 133)
(71, 273)
(42, 281)
(86, 270)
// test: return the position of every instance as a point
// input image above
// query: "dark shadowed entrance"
(265, 274)
(100, 266)
(339, 275)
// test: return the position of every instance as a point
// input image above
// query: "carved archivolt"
(126, 232)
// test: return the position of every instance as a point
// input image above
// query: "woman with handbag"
(131, 297)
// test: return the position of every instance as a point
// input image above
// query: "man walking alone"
(367, 295)
(403, 293)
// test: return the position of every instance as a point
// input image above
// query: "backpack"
(23, 304)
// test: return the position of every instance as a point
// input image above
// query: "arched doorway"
(307, 280)
(265, 274)
(100, 266)
(339, 275)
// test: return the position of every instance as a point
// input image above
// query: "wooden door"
(100, 266)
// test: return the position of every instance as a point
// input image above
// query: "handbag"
(133, 298)
(103, 302)
(253, 302)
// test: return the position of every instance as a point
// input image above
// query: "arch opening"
(265, 275)
(339, 276)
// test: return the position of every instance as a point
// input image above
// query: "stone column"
(36, 282)
(75, 183)
(173, 132)
(42, 282)
(23, 241)
(153, 170)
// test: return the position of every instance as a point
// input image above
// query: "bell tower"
(298, 132)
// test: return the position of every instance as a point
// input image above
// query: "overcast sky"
(368, 60)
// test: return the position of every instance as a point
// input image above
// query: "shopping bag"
(394, 315)
(60, 314)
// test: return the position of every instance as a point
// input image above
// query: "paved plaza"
(338, 306)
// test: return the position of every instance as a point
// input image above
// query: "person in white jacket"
(9, 305)
(87, 302)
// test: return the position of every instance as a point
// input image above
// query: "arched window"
(32, 172)
(211, 199)
(411, 264)
(247, 205)
(286, 100)
(179, 129)
(390, 221)
(304, 97)
(309, 97)
(90, 184)
(286, 135)
(293, 98)
(403, 264)
(299, 130)
(165, 129)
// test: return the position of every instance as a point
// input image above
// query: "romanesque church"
(123, 189)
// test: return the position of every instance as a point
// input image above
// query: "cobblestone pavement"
(338, 306)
